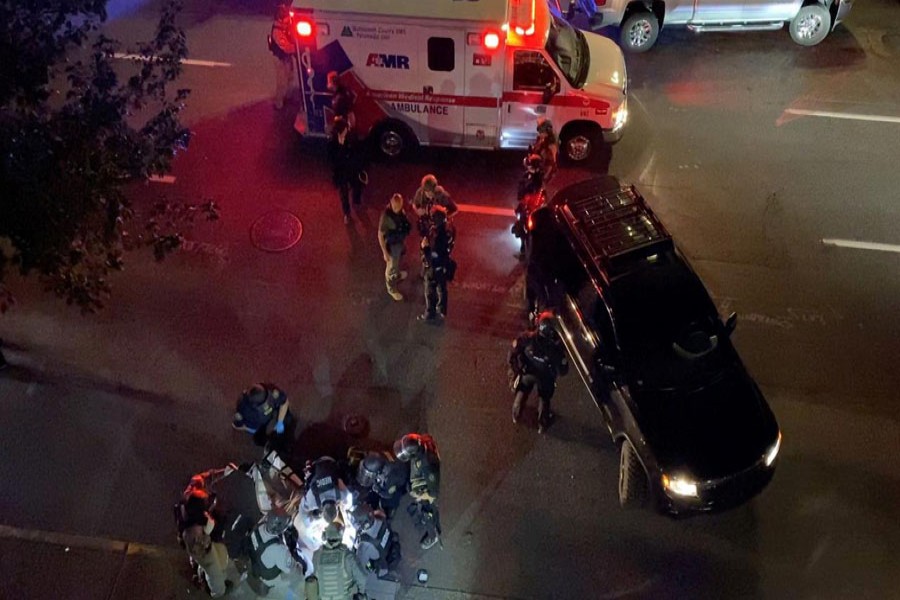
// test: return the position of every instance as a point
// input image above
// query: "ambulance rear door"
(439, 105)
(484, 86)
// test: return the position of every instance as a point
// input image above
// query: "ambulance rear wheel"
(578, 145)
(393, 140)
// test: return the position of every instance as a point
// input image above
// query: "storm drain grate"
(276, 231)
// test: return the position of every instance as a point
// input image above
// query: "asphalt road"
(107, 416)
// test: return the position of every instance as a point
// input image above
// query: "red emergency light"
(304, 27)
(491, 40)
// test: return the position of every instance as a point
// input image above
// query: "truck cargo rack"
(616, 228)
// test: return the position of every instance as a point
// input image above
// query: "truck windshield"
(568, 49)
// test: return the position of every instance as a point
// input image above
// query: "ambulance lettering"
(388, 61)
(431, 109)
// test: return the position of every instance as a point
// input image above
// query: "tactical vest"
(258, 548)
(324, 483)
(380, 537)
(425, 473)
(335, 580)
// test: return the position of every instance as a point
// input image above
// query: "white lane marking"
(486, 210)
(161, 179)
(840, 115)
(187, 61)
(861, 245)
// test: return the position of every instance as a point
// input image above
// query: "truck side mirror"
(730, 323)
(550, 90)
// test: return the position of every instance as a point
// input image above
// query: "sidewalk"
(44, 565)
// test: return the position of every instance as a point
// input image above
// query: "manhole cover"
(276, 231)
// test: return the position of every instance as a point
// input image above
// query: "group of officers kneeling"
(319, 534)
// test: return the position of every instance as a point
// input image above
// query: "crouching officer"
(438, 268)
(421, 452)
(377, 547)
(536, 359)
(382, 481)
(338, 575)
(270, 558)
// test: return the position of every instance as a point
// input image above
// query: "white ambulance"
(462, 73)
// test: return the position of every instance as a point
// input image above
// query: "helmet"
(333, 534)
(362, 516)
(369, 469)
(545, 325)
(407, 447)
(533, 162)
(329, 511)
(429, 182)
(257, 394)
(439, 215)
(277, 521)
(544, 125)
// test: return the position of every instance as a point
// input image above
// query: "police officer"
(530, 196)
(345, 154)
(547, 147)
(429, 195)
(393, 229)
(284, 51)
(214, 569)
(338, 575)
(342, 99)
(377, 547)
(437, 267)
(387, 480)
(270, 558)
(326, 492)
(421, 452)
(260, 406)
(536, 359)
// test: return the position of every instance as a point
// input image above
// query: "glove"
(279, 427)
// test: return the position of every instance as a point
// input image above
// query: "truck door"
(718, 11)
(441, 113)
(528, 76)
(770, 10)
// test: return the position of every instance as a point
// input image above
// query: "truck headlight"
(680, 486)
(773, 451)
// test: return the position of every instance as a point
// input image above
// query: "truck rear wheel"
(634, 488)
(639, 31)
(811, 25)
(579, 144)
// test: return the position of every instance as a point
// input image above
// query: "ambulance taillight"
(491, 40)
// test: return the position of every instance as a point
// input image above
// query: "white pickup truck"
(639, 21)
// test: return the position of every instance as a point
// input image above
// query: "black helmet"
(329, 511)
(439, 215)
(544, 125)
(277, 521)
(257, 394)
(545, 324)
(407, 447)
(369, 469)
(362, 516)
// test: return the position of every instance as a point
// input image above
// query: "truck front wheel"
(811, 25)
(639, 31)
(634, 488)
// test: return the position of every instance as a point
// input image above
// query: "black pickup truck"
(694, 431)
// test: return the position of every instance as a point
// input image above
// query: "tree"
(73, 135)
